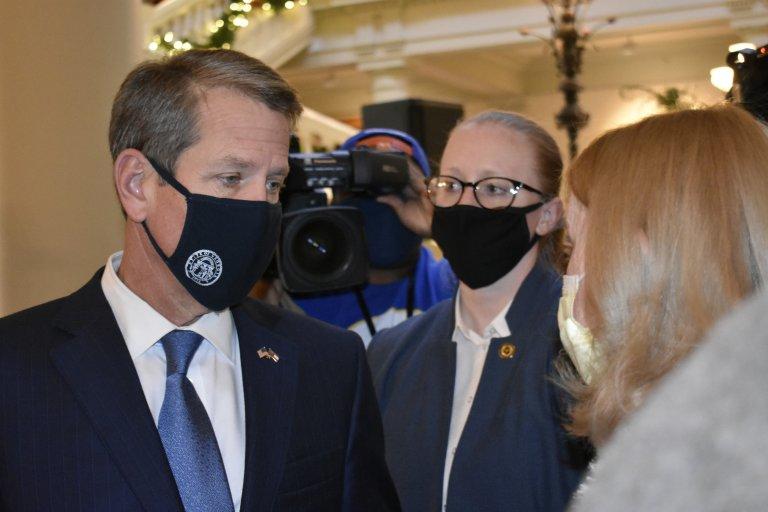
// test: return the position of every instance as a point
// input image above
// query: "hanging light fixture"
(567, 41)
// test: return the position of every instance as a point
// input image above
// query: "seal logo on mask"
(203, 267)
(219, 224)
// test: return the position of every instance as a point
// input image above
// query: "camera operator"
(405, 278)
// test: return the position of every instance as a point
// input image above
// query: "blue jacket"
(513, 454)
(76, 432)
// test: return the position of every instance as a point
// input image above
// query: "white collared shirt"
(471, 351)
(215, 370)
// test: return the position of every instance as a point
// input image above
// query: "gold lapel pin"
(507, 351)
(268, 353)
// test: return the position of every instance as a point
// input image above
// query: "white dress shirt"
(215, 370)
(471, 351)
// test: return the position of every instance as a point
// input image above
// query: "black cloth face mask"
(225, 245)
(482, 245)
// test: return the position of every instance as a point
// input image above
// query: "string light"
(222, 30)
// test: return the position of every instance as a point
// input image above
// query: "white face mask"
(577, 339)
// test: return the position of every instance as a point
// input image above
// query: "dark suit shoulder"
(24, 326)
(34, 315)
(66, 313)
(396, 343)
(301, 329)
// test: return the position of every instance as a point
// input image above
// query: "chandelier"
(567, 41)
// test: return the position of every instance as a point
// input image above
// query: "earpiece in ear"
(551, 214)
(135, 183)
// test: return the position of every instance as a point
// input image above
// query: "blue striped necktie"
(187, 433)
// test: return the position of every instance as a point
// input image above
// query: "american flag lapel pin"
(268, 353)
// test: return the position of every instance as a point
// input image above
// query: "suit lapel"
(499, 383)
(435, 381)
(537, 297)
(96, 365)
(445, 377)
(270, 391)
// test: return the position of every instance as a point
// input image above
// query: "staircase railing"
(272, 37)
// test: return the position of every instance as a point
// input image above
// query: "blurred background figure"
(670, 229)
(405, 278)
(471, 420)
(750, 79)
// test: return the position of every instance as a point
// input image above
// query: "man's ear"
(551, 216)
(131, 170)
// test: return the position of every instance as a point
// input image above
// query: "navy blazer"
(513, 454)
(76, 433)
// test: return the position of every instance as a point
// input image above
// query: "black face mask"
(225, 245)
(482, 245)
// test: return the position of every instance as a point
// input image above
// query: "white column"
(389, 84)
(59, 218)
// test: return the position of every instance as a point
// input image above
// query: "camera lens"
(321, 248)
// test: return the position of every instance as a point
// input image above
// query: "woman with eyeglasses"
(471, 417)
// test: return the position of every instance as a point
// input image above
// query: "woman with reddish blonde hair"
(669, 221)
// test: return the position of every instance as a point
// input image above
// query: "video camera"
(750, 83)
(358, 170)
(322, 247)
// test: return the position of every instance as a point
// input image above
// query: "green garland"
(670, 99)
(223, 29)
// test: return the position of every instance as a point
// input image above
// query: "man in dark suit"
(154, 387)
